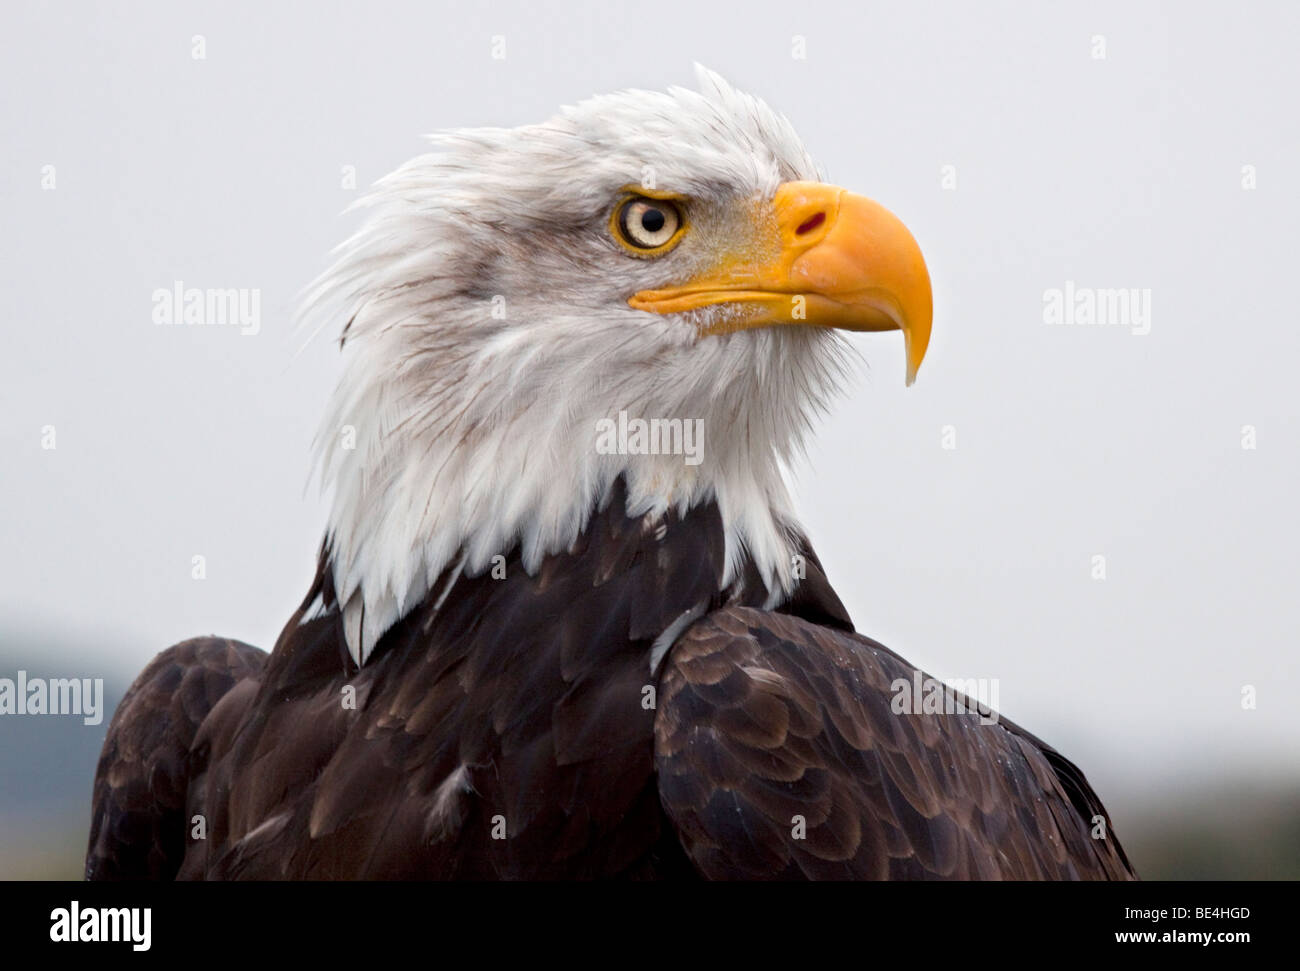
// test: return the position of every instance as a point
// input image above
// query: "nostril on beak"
(811, 223)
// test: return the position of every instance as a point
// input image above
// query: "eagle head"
(516, 293)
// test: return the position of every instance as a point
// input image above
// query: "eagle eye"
(648, 226)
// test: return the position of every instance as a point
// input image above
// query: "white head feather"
(476, 432)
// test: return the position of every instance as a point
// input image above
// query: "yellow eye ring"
(647, 225)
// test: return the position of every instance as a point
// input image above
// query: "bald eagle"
(565, 623)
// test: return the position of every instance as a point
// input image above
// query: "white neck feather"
(434, 468)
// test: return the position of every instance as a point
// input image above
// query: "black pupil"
(652, 220)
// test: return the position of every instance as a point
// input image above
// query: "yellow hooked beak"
(838, 260)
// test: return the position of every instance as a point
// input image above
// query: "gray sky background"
(972, 562)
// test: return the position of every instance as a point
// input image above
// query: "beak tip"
(911, 355)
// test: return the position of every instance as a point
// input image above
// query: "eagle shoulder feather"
(779, 755)
(138, 816)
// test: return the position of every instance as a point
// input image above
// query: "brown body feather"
(514, 732)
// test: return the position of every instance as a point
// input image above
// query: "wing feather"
(780, 755)
(138, 819)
